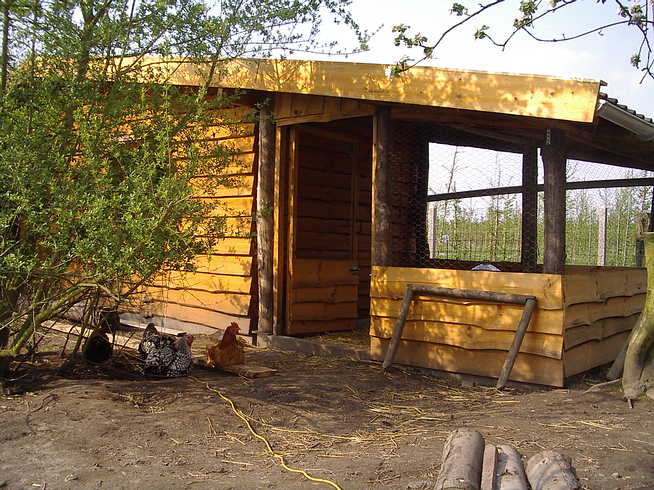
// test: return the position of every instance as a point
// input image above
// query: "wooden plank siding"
(582, 319)
(602, 306)
(466, 335)
(221, 287)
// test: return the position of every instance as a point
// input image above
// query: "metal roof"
(621, 115)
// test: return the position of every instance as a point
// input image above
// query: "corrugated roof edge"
(610, 109)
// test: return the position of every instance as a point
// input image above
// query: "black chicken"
(165, 355)
(98, 348)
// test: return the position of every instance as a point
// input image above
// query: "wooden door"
(323, 280)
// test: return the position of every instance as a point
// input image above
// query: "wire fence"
(602, 225)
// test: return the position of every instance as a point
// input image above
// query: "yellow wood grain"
(224, 264)
(469, 337)
(328, 294)
(594, 353)
(598, 330)
(319, 326)
(204, 317)
(231, 206)
(232, 227)
(320, 311)
(236, 164)
(212, 283)
(597, 284)
(589, 313)
(525, 95)
(232, 246)
(229, 303)
(299, 108)
(316, 272)
(389, 282)
(490, 316)
(527, 368)
(240, 185)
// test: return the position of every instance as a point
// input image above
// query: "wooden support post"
(554, 160)
(422, 189)
(381, 206)
(265, 228)
(530, 306)
(529, 245)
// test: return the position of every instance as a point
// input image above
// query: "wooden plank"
(232, 246)
(318, 326)
(320, 272)
(298, 108)
(592, 354)
(526, 95)
(205, 148)
(554, 167)
(391, 282)
(218, 187)
(588, 313)
(324, 311)
(237, 206)
(490, 316)
(232, 227)
(470, 337)
(598, 330)
(597, 284)
(527, 368)
(204, 282)
(236, 164)
(337, 293)
(229, 303)
(213, 319)
(231, 126)
(224, 264)
(281, 228)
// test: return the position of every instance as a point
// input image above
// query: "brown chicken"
(228, 351)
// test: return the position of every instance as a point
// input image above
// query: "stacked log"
(471, 464)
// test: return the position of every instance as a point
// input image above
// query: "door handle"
(355, 270)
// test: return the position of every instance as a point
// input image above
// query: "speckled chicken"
(165, 355)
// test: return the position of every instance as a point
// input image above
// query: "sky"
(599, 56)
(604, 56)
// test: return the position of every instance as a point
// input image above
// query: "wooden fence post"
(554, 166)
(264, 216)
(381, 206)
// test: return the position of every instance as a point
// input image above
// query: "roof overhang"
(626, 119)
(501, 93)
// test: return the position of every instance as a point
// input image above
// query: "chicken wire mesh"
(602, 225)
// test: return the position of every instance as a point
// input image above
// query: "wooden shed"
(340, 155)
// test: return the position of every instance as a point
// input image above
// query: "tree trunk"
(634, 382)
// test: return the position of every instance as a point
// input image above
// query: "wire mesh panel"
(602, 225)
(478, 229)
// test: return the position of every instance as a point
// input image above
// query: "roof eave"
(625, 119)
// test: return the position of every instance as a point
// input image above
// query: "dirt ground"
(71, 425)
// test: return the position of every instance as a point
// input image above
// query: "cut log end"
(462, 461)
(549, 470)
